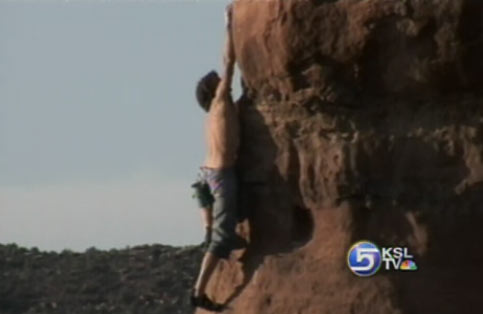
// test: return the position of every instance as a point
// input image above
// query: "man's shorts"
(218, 190)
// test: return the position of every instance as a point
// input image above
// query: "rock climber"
(216, 188)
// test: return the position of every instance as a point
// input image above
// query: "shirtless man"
(219, 208)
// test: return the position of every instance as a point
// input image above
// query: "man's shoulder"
(221, 101)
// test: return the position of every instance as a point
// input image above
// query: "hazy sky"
(100, 133)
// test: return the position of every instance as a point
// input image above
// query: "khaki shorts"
(219, 191)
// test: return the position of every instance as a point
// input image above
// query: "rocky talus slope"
(361, 120)
(142, 279)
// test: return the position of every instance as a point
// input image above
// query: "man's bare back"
(222, 133)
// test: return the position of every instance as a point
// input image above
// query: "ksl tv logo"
(365, 259)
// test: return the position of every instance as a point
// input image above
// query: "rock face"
(361, 120)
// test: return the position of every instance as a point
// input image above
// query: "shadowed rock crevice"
(303, 226)
(471, 32)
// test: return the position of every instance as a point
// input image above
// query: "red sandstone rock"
(361, 120)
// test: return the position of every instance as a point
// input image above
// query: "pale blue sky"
(100, 134)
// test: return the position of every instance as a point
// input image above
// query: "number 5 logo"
(364, 258)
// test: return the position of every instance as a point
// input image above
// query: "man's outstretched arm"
(224, 88)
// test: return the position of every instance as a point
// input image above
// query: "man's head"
(206, 89)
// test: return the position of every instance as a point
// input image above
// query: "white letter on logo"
(386, 253)
(363, 254)
(406, 254)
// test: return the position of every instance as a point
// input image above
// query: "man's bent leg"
(223, 184)
(207, 219)
(207, 267)
(224, 188)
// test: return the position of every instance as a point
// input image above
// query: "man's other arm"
(224, 88)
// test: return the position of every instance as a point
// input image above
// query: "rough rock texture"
(361, 120)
